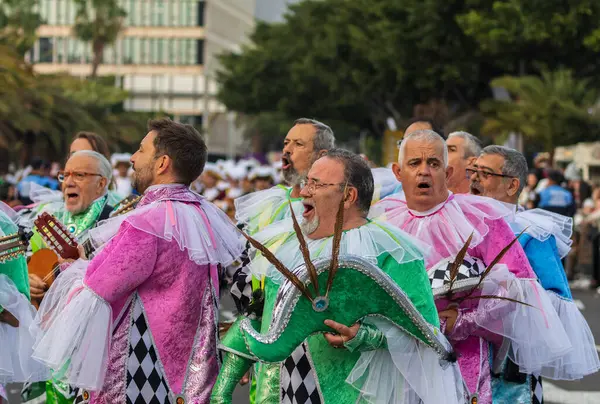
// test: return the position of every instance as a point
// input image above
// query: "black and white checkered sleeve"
(241, 286)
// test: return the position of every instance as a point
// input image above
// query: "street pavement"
(584, 391)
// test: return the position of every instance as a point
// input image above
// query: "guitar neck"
(88, 248)
(11, 247)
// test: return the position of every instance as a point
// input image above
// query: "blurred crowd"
(564, 191)
(560, 190)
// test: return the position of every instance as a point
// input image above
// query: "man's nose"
(69, 181)
(304, 192)
(287, 148)
(424, 169)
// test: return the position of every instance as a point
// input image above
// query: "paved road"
(585, 391)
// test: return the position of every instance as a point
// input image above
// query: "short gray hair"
(472, 144)
(357, 173)
(323, 139)
(515, 164)
(104, 167)
(426, 135)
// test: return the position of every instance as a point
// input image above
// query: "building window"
(61, 53)
(174, 14)
(133, 13)
(161, 51)
(172, 52)
(46, 45)
(199, 51)
(200, 14)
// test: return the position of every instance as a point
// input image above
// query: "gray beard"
(309, 228)
(292, 177)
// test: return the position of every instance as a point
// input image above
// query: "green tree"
(362, 61)
(552, 110)
(18, 24)
(528, 36)
(40, 113)
(98, 22)
(358, 61)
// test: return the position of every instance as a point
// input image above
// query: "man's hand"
(37, 287)
(344, 334)
(245, 379)
(8, 318)
(450, 315)
(81, 252)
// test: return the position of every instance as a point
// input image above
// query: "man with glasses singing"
(84, 184)
(478, 330)
(501, 173)
(330, 368)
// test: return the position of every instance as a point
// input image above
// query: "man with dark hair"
(555, 198)
(140, 318)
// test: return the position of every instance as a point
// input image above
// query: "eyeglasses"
(312, 186)
(78, 176)
(486, 174)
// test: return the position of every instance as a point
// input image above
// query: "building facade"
(165, 56)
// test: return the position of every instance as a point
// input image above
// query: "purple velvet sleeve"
(466, 325)
(124, 264)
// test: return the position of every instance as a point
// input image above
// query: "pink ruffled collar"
(169, 192)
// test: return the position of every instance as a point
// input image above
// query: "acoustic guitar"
(44, 262)
(12, 246)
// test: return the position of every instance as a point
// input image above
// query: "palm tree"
(98, 22)
(18, 24)
(553, 109)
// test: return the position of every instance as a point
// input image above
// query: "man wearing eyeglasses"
(500, 173)
(331, 367)
(84, 184)
(428, 211)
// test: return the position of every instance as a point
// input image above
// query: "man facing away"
(138, 323)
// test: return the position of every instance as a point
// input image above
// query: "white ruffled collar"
(432, 210)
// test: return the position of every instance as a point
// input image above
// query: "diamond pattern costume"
(104, 319)
(308, 369)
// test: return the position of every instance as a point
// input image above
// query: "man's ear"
(103, 182)
(513, 187)
(162, 164)
(396, 170)
(321, 153)
(350, 197)
(449, 171)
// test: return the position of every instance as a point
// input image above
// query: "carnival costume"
(16, 364)
(398, 356)
(138, 323)
(547, 240)
(78, 225)
(526, 327)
